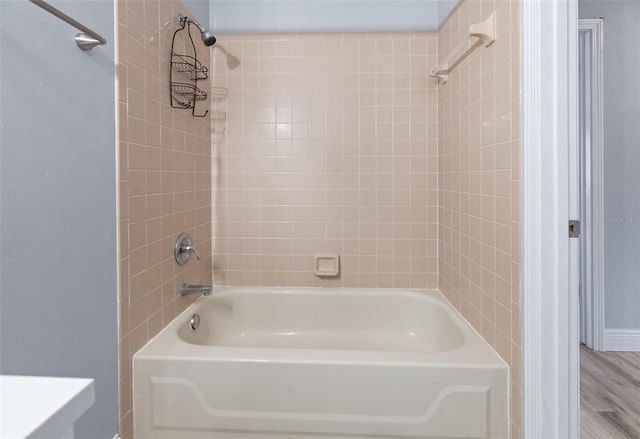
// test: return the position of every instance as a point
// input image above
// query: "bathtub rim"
(475, 351)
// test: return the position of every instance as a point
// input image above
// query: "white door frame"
(591, 113)
(550, 380)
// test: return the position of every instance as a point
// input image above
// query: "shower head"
(207, 37)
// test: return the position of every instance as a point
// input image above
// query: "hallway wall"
(621, 162)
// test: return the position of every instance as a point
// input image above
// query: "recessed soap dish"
(326, 264)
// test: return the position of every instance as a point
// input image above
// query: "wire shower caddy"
(185, 94)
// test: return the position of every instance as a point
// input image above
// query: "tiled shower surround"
(330, 146)
(479, 183)
(164, 183)
(323, 143)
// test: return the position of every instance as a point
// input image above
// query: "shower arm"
(207, 37)
(184, 19)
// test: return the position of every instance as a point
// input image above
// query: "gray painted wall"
(622, 158)
(444, 8)
(282, 16)
(58, 278)
(199, 9)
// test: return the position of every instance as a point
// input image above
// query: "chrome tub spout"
(187, 289)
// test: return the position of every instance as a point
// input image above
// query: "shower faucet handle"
(183, 248)
(190, 249)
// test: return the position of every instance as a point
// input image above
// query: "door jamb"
(550, 308)
(592, 215)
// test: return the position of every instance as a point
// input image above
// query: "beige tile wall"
(479, 216)
(322, 143)
(330, 146)
(164, 183)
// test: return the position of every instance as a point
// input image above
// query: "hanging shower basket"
(184, 89)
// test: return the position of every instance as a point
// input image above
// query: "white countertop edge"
(42, 407)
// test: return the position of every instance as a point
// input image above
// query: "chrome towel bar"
(87, 39)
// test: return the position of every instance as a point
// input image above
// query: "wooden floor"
(609, 394)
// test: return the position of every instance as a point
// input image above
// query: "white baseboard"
(622, 340)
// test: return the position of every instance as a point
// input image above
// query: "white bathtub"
(319, 363)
